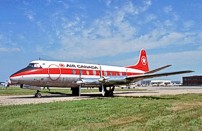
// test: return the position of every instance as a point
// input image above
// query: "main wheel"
(109, 91)
(75, 91)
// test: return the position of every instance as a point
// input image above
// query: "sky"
(108, 32)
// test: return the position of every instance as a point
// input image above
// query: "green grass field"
(180, 112)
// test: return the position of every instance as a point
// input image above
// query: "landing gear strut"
(37, 94)
(108, 91)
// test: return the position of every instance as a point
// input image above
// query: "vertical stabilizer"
(142, 63)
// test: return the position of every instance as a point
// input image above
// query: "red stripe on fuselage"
(70, 71)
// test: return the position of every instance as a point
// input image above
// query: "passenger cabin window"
(117, 74)
(81, 72)
(94, 72)
(87, 72)
(74, 72)
(105, 73)
(110, 73)
(120, 73)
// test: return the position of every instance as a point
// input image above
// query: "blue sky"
(101, 31)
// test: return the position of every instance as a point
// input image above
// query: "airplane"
(41, 73)
(2, 83)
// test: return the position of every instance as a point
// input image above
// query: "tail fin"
(142, 63)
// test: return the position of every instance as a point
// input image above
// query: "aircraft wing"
(146, 76)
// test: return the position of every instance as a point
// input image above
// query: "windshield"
(34, 65)
(29, 67)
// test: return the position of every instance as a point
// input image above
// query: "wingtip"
(190, 71)
(168, 65)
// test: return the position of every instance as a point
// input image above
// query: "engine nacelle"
(107, 81)
(116, 80)
(88, 82)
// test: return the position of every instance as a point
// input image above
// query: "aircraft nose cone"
(9, 81)
(13, 79)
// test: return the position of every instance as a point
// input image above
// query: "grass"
(15, 91)
(180, 112)
(19, 91)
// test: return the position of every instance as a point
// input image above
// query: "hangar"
(192, 81)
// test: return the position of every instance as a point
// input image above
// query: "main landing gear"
(108, 91)
(75, 91)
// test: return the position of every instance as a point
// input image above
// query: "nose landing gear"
(37, 94)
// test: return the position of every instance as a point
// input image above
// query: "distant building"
(145, 82)
(176, 83)
(161, 83)
(192, 81)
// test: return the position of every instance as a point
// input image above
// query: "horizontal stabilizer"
(158, 69)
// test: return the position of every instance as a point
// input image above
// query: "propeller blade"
(102, 81)
(100, 71)
(80, 90)
(103, 90)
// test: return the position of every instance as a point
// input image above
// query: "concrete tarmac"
(149, 91)
(159, 91)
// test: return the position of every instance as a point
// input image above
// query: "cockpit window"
(34, 65)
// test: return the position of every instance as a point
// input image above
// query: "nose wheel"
(37, 94)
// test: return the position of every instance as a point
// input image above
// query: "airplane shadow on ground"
(96, 95)
(58, 95)
(134, 92)
(152, 97)
(145, 97)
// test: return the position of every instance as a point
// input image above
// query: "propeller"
(81, 83)
(101, 80)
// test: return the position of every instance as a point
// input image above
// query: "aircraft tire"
(75, 91)
(100, 89)
(38, 95)
(109, 91)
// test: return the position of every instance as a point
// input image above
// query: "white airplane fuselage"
(67, 74)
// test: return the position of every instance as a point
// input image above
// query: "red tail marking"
(142, 63)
